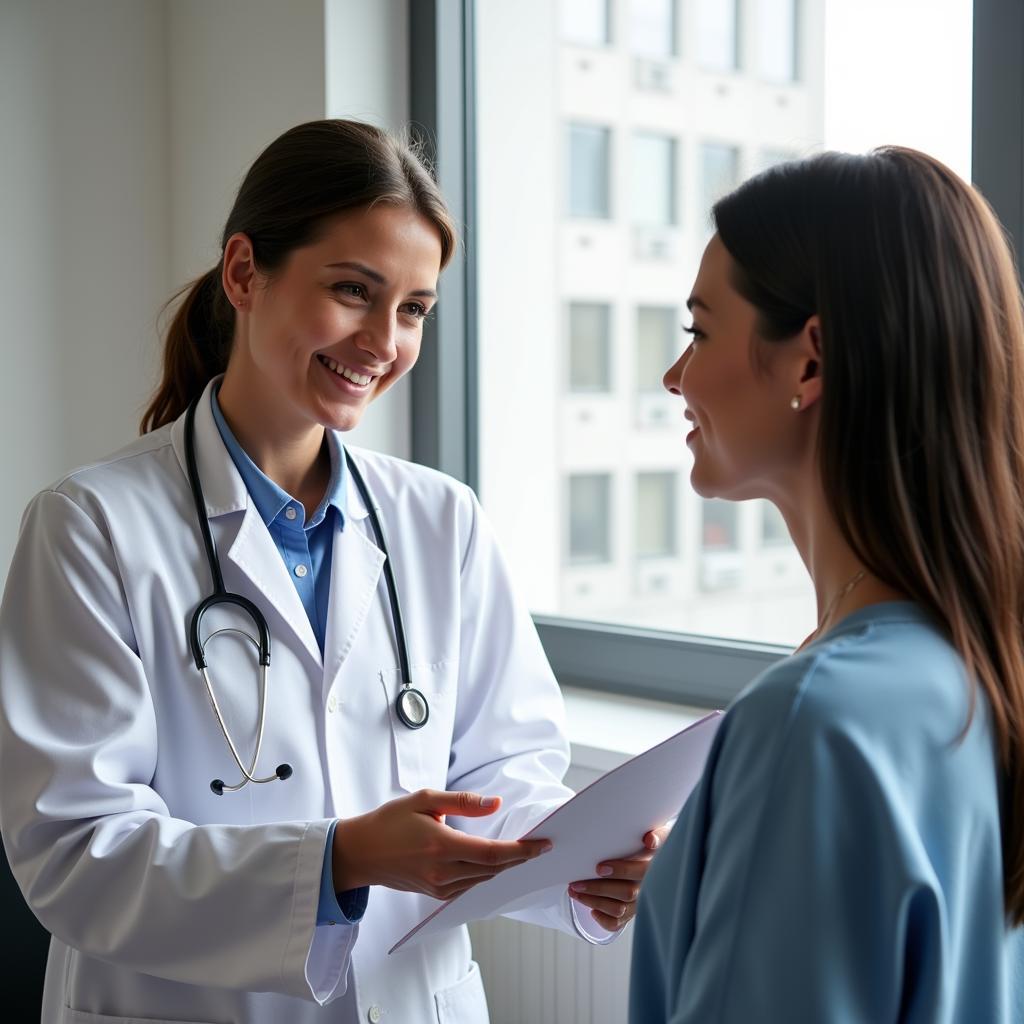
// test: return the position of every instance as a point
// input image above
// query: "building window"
(773, 526)
(775, 39)
(589, 518)
(657, 345)
(586, 22)
(656, 515)
(719, 529)
(589, 347)
(653, 28)
(589, 184)
(717, 36)
(719, 174)
(654, 175)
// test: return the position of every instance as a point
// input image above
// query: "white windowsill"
(606, 729)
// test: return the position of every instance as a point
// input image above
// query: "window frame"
(676, 667)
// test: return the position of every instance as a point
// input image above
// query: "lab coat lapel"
(251, 550)
(356, 566)
(257, 557)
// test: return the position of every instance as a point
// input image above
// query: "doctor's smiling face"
(337, 324)
(745, 438)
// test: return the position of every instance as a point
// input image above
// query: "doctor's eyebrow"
(695, 300)
(378, 278)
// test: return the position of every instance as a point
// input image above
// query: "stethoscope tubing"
(411, 706)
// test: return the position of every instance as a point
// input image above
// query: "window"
(589, 189)
(653, 28)
(657, 345)
(585, 22)
(656, 515)
(718, 531)
(719, 174)
(916, 89)
(775, 38)
(773, 526)
(589, 347)
(589, 518)
(654, 173)
(717, 40)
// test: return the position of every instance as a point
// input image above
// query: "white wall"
(83, 202)
(127, 126)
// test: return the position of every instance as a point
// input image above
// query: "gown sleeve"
(101, 861)
(794, 887)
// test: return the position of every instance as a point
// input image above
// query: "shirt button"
(332, 703)
(290, 513)
(374, 1014)
(300, 571)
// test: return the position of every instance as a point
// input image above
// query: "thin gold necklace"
(834, 603)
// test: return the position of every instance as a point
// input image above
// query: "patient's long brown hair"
(921, 442)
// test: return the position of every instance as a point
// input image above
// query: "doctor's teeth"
(362, 379)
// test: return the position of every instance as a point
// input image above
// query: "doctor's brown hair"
(298, 183)
(921, 442)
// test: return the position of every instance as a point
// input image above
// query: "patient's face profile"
(742, 436)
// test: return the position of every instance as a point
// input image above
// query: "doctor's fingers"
(495, 854)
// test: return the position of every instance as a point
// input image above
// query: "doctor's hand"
(612, 897)
(405, 844)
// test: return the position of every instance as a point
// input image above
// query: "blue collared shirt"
(306, 544)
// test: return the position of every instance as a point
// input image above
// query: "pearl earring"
(794, 403)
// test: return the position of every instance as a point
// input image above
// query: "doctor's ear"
(807, 369)
(238, 270)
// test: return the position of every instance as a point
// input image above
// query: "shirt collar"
(270, 499)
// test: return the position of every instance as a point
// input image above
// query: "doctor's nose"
(379, 337)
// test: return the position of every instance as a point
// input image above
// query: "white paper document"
(605, 821)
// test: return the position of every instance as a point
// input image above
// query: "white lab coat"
(168, 903)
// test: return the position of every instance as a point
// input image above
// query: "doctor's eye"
(416, 310)
(349, 289)
(694, 331)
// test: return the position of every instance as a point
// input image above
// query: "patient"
(855, 850)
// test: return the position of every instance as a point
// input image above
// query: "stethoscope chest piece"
(412, 708)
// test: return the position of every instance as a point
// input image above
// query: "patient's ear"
(808, 362)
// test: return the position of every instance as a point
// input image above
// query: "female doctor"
(210, 838)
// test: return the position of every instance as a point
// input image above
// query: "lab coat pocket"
(422, 755)
(81, 1017)
(465, 1001)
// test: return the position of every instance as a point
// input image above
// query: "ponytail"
(196, 349)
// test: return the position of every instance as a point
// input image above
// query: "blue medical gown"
(840, 859)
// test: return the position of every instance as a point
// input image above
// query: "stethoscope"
(411, 705)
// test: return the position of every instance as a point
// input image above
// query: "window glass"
(655, 515)
(654, 172)
(589, 347)
(717, 48)
(593, 191)
(657, 341)
(585, 22)
(589, 517)
(774, 37)
(653, 27)
(588, 170)
(719, 175)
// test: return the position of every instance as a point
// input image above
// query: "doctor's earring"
(794, 403)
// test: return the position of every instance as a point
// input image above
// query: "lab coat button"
(332, 703)
(300, 571)
(290, 513)
(374, 1015)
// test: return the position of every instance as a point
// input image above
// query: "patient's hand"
(612, 897)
